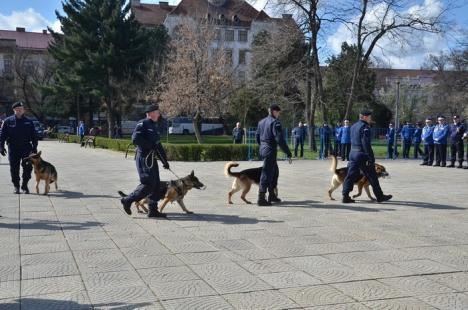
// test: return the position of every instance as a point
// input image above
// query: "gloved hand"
(34, 151)
(166, 165)
(3, 151)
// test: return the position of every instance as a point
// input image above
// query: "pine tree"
(101, 49)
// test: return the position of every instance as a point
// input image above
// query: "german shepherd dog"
(43, 171)
(340, 175)
(172, 191)
(243, 180)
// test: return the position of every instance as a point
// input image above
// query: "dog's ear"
(39, 153)
(192, 173)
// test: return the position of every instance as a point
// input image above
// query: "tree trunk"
(197, 123)
(349, 103)
(110, 116)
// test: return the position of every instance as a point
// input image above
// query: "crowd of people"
(436, 140)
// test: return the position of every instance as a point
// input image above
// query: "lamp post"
(397, 125)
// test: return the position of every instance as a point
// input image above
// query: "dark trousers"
(238, 141)
(297, 143)
(457, 148)
(440, 154)
(345, 149)
(428, 154)
(359, 162)
(270, 173)
(324, 147)
(149, 181)
(16, 158)
(417, 150)
(337, 148)
(406, 148)
(390, 150)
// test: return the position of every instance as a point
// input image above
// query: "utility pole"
(397, 121)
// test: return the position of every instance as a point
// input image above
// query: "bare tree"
(199, 73)
(378, 19)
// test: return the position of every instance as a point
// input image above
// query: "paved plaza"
(77, 249)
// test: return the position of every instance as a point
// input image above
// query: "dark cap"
(440, 116)
(366, 112)
(274, 107)
(456, 116)
(428, 118)
(17, 104)
(151, 108)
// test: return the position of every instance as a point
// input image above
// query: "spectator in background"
(324, 132)
(457, 130)
(440, 135)
(299, 134)
(345, 140)
(427, 139)
(337, 133)
(238, 134)
(406, 135)
(81, 132)
(390, 141)
(417, 140)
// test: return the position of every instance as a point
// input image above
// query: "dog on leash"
(243, 180)
(171, 191)
(43, 171)
(339, 175)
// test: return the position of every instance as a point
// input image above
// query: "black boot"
(460, 165)
(25, 188)
(17, 190)
(126, 205)
(273, 198)
(384, 198)
(451, 165)
(262, 202)
(347, 199)
(153, 212)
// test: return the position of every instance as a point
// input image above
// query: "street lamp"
(397, 125)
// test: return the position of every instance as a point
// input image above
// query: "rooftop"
(27, 40)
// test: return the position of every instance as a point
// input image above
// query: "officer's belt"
(268, 142)
(357, 149)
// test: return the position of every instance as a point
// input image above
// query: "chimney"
(163, 3)
(20, 29)
(135, 2)
(287, 15)
(44, 31)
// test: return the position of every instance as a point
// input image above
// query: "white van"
(184, 126)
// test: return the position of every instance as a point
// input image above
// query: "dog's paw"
(248, 202)
(230, 202)
(139, 211)
(189, 212)
(331, 198)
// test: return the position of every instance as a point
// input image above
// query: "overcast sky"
(36, 15)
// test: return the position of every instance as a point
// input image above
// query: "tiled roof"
(27, 40)
(151, 14)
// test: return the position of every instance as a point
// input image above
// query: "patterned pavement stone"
(399, 303)
(181, 289)
(368, 290)
(261, 300)
(289, 279)
(316, 295)
(456, 301)
(198, 303)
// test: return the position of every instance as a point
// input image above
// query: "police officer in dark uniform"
(269, 135)
(19, 133)
(457, 130)
(362, 159)
(149, 149)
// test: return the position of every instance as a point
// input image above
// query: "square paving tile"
(455, 301)
(181, 289)
(317, 295)
(368, 290)
(289, 279)
(198, 303)
(261, 300)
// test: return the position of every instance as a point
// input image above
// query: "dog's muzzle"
(201, 188)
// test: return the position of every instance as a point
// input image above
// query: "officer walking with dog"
(19, 133)
(269, 135)
(149, 149)
(362, 159)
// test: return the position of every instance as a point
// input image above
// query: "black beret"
(366, 112)
(17, 104)
(151, 108)
(274, 107)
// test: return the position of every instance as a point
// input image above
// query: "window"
(241, 76)
(229, 35)
(28, 66)
(7, 68)
(242, 57)
(242, 36)
(228, 52)
(218, 35)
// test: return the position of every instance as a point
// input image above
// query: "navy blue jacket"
(146, 138)
(237, 134)
(441, 133)
(338, 133)
(390, 135)
(19, 134)
(325, 132)
(427, 133)
(361, 139)
(417, 135)
(456, 132)
(406, 132)
(345, 134)
(269, 135)
(299, 133)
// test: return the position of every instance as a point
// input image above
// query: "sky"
(36, 15)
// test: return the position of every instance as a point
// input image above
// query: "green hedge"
(180, 152)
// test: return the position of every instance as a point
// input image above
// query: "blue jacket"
(299, 133)
(456, 132)
(427, 133)
(417, 135)
(406, 132)
(324, 132)
(361, 139)
(390, 135)
(237, 134)
(146, 138)
(345, 134)
(338, 133)
(269, 135)
(19, 134)
(441, 134)
(81, 130)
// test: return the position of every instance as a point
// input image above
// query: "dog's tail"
(333, 164)
(122, 194)
(227, 169)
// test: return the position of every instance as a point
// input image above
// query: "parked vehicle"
(65, 129)
(39, 130)
(184, 126)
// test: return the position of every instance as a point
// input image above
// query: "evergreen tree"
(102, 49)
